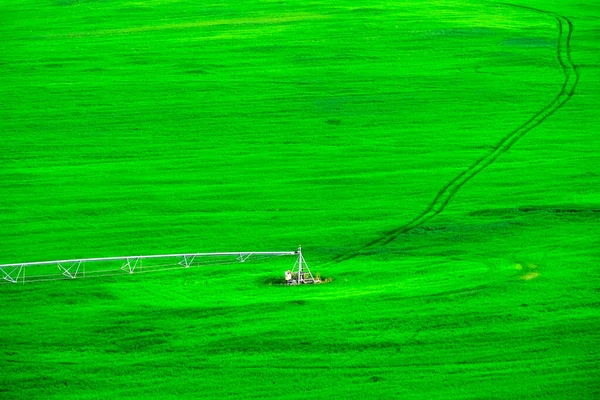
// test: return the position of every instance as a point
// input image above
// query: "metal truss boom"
(243, 254)
(75, 268)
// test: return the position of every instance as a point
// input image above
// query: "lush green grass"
(152, 127)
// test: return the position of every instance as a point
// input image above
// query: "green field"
(438, 160)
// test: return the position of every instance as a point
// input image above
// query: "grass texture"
(438, 160)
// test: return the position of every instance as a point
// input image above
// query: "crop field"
(439, 162)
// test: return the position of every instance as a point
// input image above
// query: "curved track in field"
(443, 197)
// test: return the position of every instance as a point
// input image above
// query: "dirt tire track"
(443, 197)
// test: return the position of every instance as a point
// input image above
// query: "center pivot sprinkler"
(300, 273)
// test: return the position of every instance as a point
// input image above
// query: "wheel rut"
(449, 190)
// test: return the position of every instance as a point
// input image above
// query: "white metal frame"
(75, 268)
(301, 270)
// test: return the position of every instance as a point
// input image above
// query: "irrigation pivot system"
(110, 266)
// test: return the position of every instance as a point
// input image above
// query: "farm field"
(439, 161)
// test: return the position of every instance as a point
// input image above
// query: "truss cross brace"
(70, 271)
(244, 256)
(13, 274)
(131, 264)
(187, 260)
